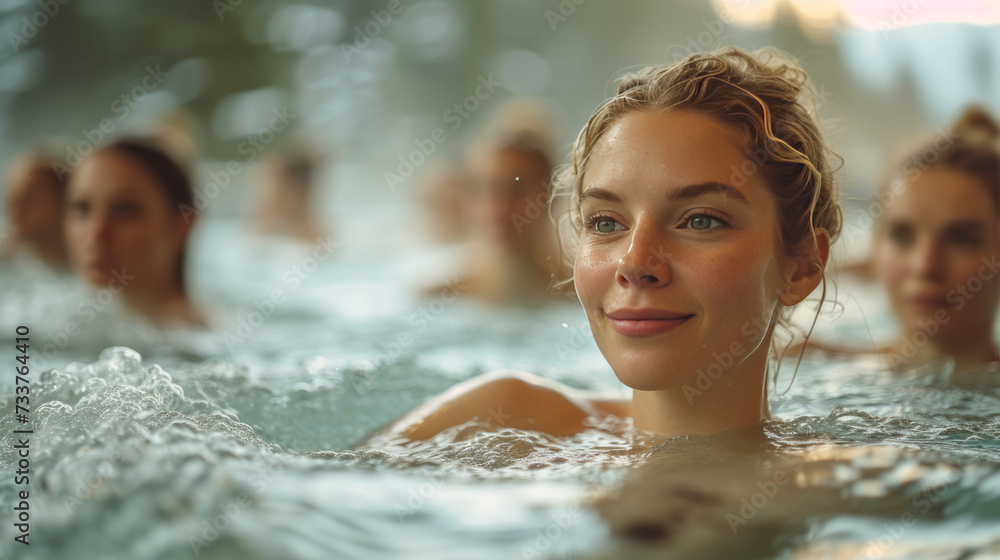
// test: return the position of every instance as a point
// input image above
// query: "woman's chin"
(648, 379)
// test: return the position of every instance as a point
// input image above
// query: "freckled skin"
(920, 251)
(723, 277)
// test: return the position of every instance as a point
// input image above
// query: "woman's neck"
(973, 346)
(167, 303)
(735, 399)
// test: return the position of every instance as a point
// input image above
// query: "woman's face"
(509, 195)
(936, 250)
(679, 265)
(119, 223)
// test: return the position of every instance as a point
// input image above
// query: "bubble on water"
(126, 448)
(120, 358)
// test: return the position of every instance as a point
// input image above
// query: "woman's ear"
(806, 271)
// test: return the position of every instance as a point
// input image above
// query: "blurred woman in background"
(935, 247)
(36, 200)
(127, 231)
(514, 255)
(286, 194)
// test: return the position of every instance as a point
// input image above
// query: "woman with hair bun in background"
(935, 248)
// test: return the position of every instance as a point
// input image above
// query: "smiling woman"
(679, 250)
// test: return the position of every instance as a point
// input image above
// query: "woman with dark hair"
(126, 230)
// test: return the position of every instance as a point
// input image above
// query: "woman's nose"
(99, 229)
(645, 261)
(927, 261)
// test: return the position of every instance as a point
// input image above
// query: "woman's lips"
(645, 322)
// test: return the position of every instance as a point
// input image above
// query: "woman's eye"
(603, 224)
(965, 239)
(78, 208)
(901, 236)
(127, 210)
(704, 222)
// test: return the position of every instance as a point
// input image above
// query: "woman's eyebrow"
(711, 187)
(972, 226)
(683, 193)
(599, 194)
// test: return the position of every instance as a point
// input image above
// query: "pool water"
(242, 441)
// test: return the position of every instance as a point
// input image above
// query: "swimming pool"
(239, 442)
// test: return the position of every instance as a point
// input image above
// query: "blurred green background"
(366, 78)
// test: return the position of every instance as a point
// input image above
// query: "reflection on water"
(248, 452)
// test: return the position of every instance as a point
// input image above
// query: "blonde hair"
(764, 96)
(756, 93)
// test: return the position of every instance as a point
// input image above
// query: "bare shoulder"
(505, 398)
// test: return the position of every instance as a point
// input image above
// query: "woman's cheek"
(587, 275)
(136, 244)
(888, 266)
(742, 302)
(733, 275)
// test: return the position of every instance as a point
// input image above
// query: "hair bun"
(978, 126)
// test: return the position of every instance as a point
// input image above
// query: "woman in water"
(286, 194)
(704, 209)
(129, 214)
(514, 255)
(935, 248)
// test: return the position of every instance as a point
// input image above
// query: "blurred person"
(935, 248)
(514, 255)
(126, 231)
(36, 201)
(286, 194)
